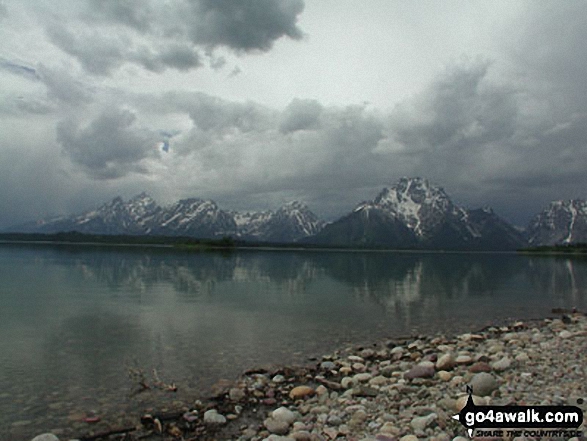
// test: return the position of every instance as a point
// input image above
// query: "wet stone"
(420, 371)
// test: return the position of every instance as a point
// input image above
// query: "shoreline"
(402, 389)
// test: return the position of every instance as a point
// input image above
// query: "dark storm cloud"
(457, 118)
(110, 146)
(488, 143)
(98, 54)
(244, 24)
(109, 34)
(551, 53)
(300, 115)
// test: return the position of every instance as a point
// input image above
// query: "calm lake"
(74, 320)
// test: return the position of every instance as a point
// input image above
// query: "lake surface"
(74, 320)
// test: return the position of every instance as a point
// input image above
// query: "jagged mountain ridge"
(560, 223)
(187, 217)
(414, 214)
(409, 214)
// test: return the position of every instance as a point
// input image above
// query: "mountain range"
(411, 214)
(191, 217)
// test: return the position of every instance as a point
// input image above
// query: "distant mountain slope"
(560, 223)
(414, 214)
(188, 217)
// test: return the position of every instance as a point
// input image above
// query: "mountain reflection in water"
(74, 319)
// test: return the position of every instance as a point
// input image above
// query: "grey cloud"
(245, 24)
(214, 114)
(551, 53)
(96, 53)
(180, 57)
(62, 86)
(177, 56)
(110, 146)
(458, 111)
(300, 115)
(159, 36)
(21, 105)
(477, 138)
(3, 10)
(217, 63)
(136, 14)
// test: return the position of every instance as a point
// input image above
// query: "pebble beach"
(394, 390)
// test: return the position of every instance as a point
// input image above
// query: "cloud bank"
(507, 131)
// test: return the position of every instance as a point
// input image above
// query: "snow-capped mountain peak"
(414, 213)
(561, 222)
(416, 203)
(187, 217)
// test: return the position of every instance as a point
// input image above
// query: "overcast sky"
(254, 103)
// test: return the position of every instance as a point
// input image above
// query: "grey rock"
(236, 394)
(502, 364)
(283, 414)
(276, 426)
(420, 423)
(446, 362)
(420, 371)
(327, 365)
(483, 384)
(45, 437)
(213, 417)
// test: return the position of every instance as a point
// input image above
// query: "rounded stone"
(444, 375)
(367, 353)
(464, 359)
(213, 417)
(422, 370)
(502, 364)
(483, 384)
(522, 357)
(236, 394)
(379, 380)
(347, 382)
(446, 362)
(363, 377)
(278, 438)
(300, 392)
(565, 334)
(327, 365)
(276, 426)
(283, 414)
(420, 423)
(409, 438)
(480, 366)
(389, 428)
(45, 437)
